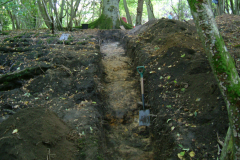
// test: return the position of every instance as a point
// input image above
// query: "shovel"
(144, 115)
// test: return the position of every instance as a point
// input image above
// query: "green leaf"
(182, 153)
(183, 55)
(168, 106)
(180, 145)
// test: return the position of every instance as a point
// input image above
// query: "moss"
(103, 22)
(192, 4)
(126, 25)
(82, 43)
(51, 40)
(237, 46)
(111, 8)
(223, 66)
(5, 33)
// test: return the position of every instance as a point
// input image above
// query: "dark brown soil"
(54, 94)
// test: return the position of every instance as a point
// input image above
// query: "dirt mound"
(188, 109)
(40, 134)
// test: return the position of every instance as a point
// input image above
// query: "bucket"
(84, 26)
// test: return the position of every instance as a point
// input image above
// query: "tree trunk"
(236, 7)
(53, 6)
(139, 12)
(12, 19)
(149, 10)
(232, 7)
(111, 10)
(17, 22)
(227, 7)
(61, 12)
(74, 9)
(129, 19)
(223, 67)
(44, 13)
(94, 5)
(110, 18)
(221, 6)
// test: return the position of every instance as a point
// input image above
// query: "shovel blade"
(144, 118)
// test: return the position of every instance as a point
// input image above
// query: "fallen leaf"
(191, 154)
(183, 55)
(15, 131)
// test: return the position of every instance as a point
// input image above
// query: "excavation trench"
(125, 139)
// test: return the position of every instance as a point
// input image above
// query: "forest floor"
(79, 98)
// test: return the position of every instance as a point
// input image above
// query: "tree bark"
(139, 12)
(150, 10)
(94, 5)
(221, 6)
(44, 13)
(232, 7)
(129, 19)
(74, 9)
(53, 6)
(111, 10)
(236, 7)
(223, 67)
(12, 19)
(227, 7)
(61, 11)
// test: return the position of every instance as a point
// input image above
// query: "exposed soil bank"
(181, 89)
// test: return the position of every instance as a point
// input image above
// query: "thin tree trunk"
(61, 12)
(44, 13)
(17, 22)
(223, 67)
(139, 12)
(129, 19)
(221, 6)
(232, 7)
(227, 7)
(100, 8)
(149, 10)
(73, 13)
(53, 6)
(12, 19)
(236, 7)
(94, 5)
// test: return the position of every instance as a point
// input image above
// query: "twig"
(49, 154)
(4, 137)
(220, 142)
(11, 66)
(67, 69)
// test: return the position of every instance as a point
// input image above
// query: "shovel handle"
(141, 70)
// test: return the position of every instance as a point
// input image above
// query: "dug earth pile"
(78, 99)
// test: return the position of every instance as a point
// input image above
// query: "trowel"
(144, 115)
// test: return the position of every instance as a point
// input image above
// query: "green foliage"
(192, 4)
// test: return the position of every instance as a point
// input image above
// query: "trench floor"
(125, 138)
